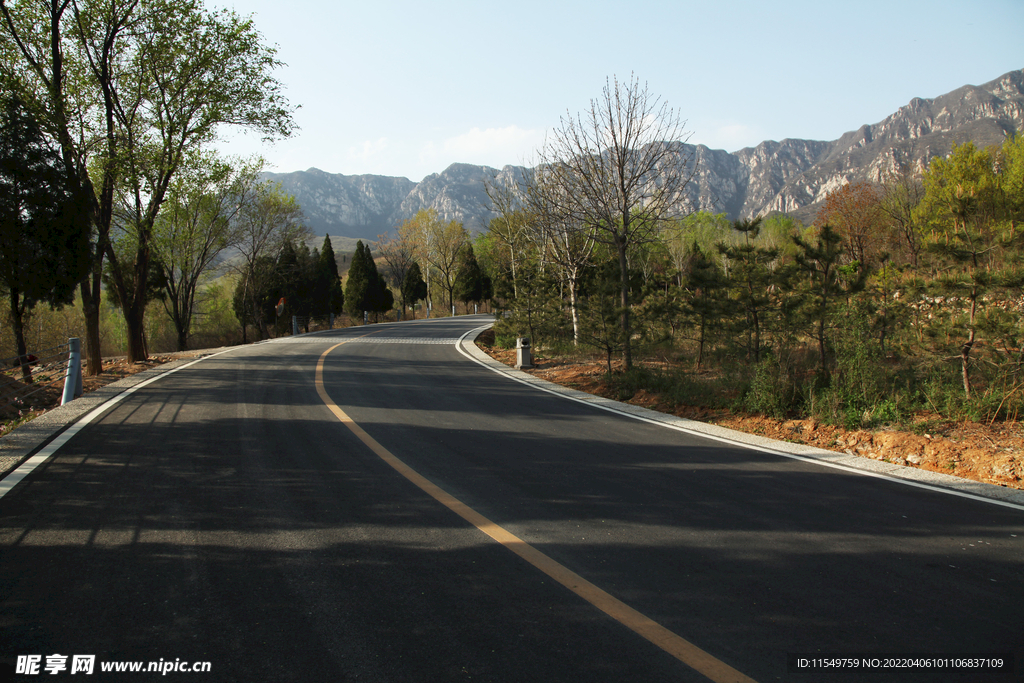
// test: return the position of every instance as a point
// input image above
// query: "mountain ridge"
(791, 176)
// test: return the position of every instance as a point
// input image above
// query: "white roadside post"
(524, 358)
(73, 377)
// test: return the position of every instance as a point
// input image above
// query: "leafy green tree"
(267, 219)
(973, 237)
(43, 226)
(600, 313)
(127, 91)
(383, 298)
(195, 225)
(257, 294)
(296, 271)
(357, 286)
(699, 231)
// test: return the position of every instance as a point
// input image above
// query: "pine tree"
(357, 287)
(469, 280)
(706, 290)
(329, 295)
(826, 281)
(752, 279)
(413, 287)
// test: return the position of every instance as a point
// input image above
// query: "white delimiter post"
(73, 377)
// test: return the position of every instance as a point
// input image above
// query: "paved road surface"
(225, 514)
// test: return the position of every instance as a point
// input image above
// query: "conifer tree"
(329, 296)
(357, 287)
(469, 280)
(826, 280)
(706, 289)
(413, 286)
(752, 279)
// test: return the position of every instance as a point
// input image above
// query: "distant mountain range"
(791, 176)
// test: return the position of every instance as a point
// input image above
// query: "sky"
(407, 88)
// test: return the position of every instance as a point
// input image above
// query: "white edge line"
(15, 477)
(733, 442)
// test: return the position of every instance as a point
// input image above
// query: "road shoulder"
(853, 463)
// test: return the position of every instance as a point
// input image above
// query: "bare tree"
(902, 191)
(623, 168)
(399, 253)
(562, 237)
(435, 245)
(511, 226)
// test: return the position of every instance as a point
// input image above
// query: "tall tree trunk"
(18, 320)
(965, 350)
(700, 341)
(91, 312)
(627, 350)
(183, 340)
(134, 317)
(574, 307)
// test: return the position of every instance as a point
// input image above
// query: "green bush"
(772, 390)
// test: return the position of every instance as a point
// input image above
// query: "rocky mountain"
(791, 176)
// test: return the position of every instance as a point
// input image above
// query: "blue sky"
(407, 88)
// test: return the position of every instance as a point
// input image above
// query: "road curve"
(224, 514)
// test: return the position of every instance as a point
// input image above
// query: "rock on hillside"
(790, 176)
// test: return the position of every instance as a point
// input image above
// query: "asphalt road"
(224, 514)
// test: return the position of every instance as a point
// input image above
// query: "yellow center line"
(678, 647)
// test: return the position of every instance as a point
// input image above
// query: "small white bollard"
(73, 377)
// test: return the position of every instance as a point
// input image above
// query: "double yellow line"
(681, 649)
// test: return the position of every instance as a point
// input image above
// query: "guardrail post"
(73, 377)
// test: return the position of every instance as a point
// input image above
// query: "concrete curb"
(852, 463)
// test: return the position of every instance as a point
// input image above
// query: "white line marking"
(733, 442)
